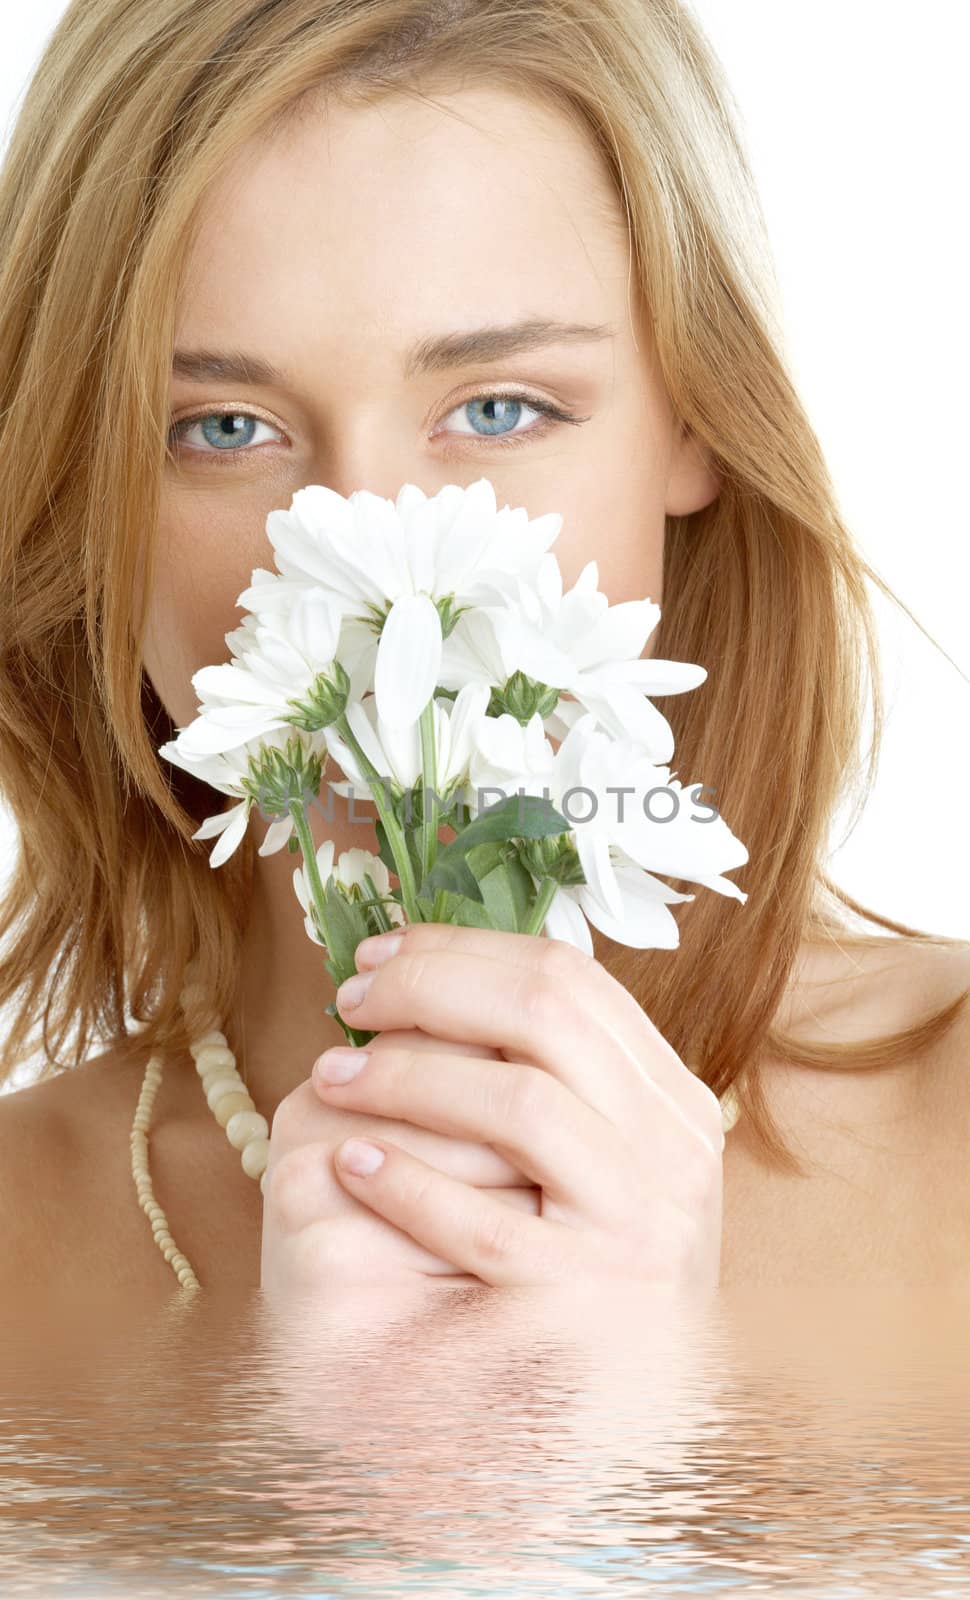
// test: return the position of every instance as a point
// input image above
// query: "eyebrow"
(436, 353)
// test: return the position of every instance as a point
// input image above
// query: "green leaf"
(453, 875)
(516, 816)
(509, 894)
(347, 926)
(384, 851)
(409, 811)
(484, 858)
(458, 910)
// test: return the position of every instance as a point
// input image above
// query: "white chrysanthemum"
(395, 753)
(577, 642)
(225, 770)
(352, 867)
(277, 659)
(397, 561)
(620, 846)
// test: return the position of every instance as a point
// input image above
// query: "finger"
(518, 949)
(570, 1151)
(521, 950)
(551, 1013)
(466, 1226)
(304, 1120)
(354, 1246)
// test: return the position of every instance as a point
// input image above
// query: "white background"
(854, 115)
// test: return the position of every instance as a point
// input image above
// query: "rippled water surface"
(480, 1442)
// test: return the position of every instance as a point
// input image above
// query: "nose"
(369, 452)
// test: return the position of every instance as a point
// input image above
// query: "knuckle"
(521, 1094)
(322, 1252)
(295, 1188)
(495, 1238)
(539, 998)
(563, 960)
(392, 1038)
(698, 1181)
(671, 1242)
(289, 1121)
(410, 971)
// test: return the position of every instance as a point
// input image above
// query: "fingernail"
(340, 1064)
(353, 990)
(360, 1157)
(378, 948)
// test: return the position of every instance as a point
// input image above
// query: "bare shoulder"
(882, 986)
(882, 1148)
(852, 993)
(54, 1184)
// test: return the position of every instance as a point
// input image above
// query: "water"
(481, 1442)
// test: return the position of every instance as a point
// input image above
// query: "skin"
(328, 252)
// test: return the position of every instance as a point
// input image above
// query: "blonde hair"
(133, 110)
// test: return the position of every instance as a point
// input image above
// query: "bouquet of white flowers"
(427, 646)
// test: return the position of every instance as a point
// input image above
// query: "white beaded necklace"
(232, 1106)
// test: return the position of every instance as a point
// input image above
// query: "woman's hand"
(316, 1236)
(623, 1142)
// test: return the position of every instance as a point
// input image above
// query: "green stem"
(314, 881)
(318, 897)
(377, 905)
(429, 778)
(544, 899)
(393, 829)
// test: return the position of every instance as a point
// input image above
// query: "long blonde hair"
(132, 111)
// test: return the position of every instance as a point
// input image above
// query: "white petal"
(217, 824)
(528, 650)
(361, 720)
(645, 922)
(621, 633)
(471, 653)
(325, 860)
(408, 658)
(589, 579)
(549, 581)
(314, 626)
(628, 714)
(231, 836)
(234, 684)
(226, 728)
(276, 836)
(652, 676)
(467, 715)
(300, 888)
(721, 885)
(594, 858)
(565, 920)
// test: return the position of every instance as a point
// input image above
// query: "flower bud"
(277, 776)
(554, 856)
(325, 701)
(522, 697)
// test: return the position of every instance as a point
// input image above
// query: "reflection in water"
(472, 1441)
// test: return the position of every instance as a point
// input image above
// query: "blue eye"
(498, 414)
(219, 429)
(228, 435)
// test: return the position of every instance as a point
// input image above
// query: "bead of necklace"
(230, 1103)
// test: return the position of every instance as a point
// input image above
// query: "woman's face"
(358, 258)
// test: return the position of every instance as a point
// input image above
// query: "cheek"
(613, 514)
(201, 566)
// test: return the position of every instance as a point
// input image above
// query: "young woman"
(247, 247)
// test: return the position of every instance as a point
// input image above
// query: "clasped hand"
(570, 1083)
